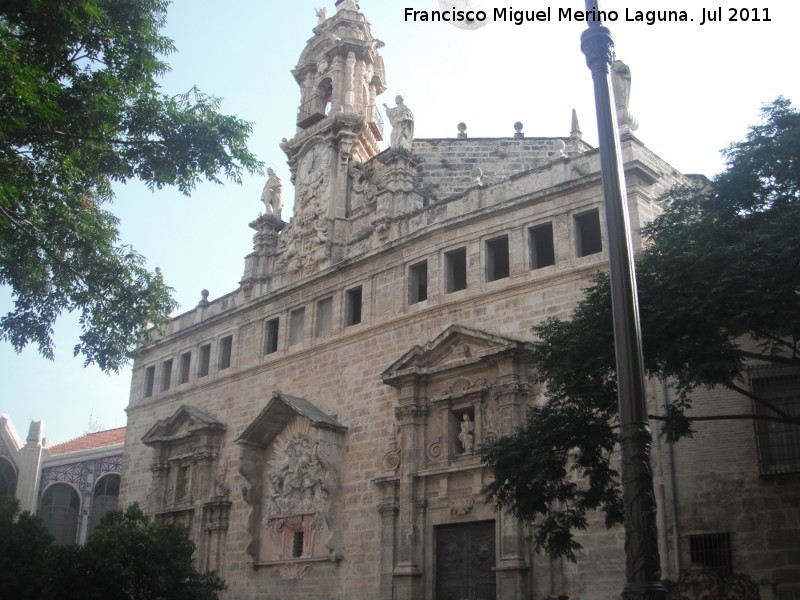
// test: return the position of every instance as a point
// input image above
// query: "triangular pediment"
(455, 346)
(187, 421)
(277, 414)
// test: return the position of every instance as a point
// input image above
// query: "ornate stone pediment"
(456, 346)
(187, 421)
(277, 414)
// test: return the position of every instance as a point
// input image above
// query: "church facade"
(315, 428)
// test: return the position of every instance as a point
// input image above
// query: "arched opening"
(8, 479)
(318, 105)
(324, 95)
(59, 512)
(104, 499)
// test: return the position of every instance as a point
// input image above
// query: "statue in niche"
(402, 121)
(466, 436)
(272, 194)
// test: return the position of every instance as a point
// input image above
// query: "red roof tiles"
(90, 441)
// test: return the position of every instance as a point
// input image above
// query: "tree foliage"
(127, 557)
(719, 290)
(24, 545)
(81, 110)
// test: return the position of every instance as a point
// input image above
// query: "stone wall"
(340, 373)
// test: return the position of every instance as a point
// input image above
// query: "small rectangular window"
(297, 544)
(712, 550)
(455, 270)
(324, 312)
(542, 249)
(186, 361)
(497, 262)
(418, 282)
(205, 360)
(271, 337)
(297, 326)
(353, 306)
(166, 374)
(778, 443)
(587, 233)
(225, 350)
(149, 381)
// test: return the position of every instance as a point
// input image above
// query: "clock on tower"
(340, 75)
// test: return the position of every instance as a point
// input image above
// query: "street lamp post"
(643, 568)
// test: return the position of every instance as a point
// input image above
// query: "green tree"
(719, 290)
(81, 110)
(130, 557)
(24, 546)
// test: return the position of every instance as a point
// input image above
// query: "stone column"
(407, 570)
(388, 510)
(29, 462)
(511, 556)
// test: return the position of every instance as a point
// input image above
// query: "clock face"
(313, 163)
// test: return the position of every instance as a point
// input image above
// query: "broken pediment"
(187, 421)
(456, 346)
(278, 412)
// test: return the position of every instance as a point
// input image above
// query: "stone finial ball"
(518, 126)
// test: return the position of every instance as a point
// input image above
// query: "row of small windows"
(323, 323)
(541, 254)
(224, 352)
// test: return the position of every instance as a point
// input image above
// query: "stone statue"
(402, 121)
(465, 437)
(272, 195)
(621, 84)
(322, 15)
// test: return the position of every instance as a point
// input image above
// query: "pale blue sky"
(695, 89)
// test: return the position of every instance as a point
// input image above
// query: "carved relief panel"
(291, 455)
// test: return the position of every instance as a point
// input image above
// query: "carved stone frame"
(312, 512)
(189, 486)
(462, 370)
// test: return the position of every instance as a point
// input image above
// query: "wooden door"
(464, 562)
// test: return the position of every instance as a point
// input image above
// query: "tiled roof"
(90, 441)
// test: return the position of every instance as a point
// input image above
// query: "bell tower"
(340, 75)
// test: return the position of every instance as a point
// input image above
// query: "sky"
(695, 89)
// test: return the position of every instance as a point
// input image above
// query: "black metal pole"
(643, 566)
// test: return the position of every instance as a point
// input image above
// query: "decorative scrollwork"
(391, 461)
(461, 507)
(435, 449)
(293, 571)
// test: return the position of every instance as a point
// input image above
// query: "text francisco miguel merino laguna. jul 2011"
(547, 14)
